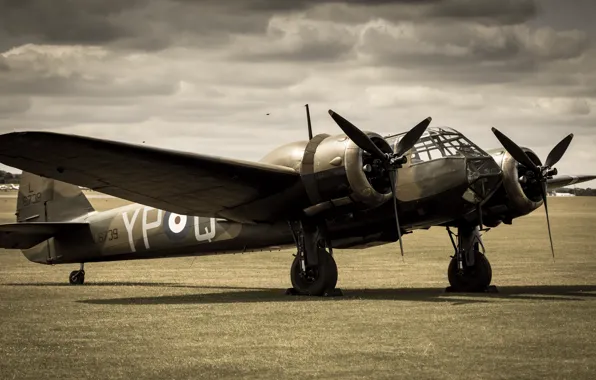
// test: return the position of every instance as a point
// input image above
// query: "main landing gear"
(469, 270)
(77, 277)
(313, 271)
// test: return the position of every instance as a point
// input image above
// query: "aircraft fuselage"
(429, 193)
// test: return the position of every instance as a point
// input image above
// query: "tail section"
(46, 209)
(47, 200)
(28, 235)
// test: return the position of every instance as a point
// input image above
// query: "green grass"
(227, 317)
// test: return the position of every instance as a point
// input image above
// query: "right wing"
(566, 180)
(180, 182)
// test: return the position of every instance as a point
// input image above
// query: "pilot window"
(438, 143)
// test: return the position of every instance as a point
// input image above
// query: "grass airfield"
(227, 316)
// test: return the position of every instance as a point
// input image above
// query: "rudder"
(47, 200)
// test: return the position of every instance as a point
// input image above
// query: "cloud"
(507, 48)
(298, 39)
(565, 106)
(481, 11)
(81, 70)
(231, 78)
(62, 22)
(9, 106)
(158, 24)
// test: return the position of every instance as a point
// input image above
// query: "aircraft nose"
(483, 178)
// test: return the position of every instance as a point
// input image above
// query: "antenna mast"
(309, 124)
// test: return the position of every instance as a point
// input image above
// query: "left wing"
(566, 180)
(180, 182)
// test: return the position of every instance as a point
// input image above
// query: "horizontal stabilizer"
(566, 180)
(27, 235)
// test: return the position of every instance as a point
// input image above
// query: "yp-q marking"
(175, 224)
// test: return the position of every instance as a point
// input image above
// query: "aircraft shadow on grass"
(239, 294)
(252, 295)
(133, 284)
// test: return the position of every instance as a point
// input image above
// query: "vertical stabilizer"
(47, 200)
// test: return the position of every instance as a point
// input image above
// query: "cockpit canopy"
(439, 142)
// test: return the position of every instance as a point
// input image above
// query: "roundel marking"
(176, 226)
(177, 223)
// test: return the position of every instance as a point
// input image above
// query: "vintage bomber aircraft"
(328, 192)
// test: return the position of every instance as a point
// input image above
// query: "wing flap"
(28, 235)
(185, 183)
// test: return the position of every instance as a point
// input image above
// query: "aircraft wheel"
(317, 279)
(476, 278)
(77, 277)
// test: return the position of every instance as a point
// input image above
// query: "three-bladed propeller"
(390, 161)
(537, 174)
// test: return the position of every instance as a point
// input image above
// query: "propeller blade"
(360, 138)
(543, 188)
(514, 150)
(558, 151)
(413, 135)
(392, 177)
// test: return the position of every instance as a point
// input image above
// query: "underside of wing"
(566, 180)
(27, 235)
(180, 182)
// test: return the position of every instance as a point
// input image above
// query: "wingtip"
(8, 138)
(331, 113)
(13, 133)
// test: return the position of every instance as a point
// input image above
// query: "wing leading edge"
(566, 180)
(180, 182)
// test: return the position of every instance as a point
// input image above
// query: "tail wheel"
(77, 277)
(473, 278)
(316, 280)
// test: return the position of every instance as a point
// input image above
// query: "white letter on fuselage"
(129, 225)
(148, 226)
(208, 235)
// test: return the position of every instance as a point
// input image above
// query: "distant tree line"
(578, 191)
(6, 177)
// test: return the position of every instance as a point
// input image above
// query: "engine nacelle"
(522, 197)
(333, 174)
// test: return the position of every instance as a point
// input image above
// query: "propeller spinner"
(391, 161)
(539, 173)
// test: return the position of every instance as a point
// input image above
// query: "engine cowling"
(333, 174)
(522, 196)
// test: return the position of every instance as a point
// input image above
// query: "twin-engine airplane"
(328, 192)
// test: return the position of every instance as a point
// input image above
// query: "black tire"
(476, 278)
(319, 279)
(77, 277)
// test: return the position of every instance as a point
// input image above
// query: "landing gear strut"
(469, 270)
(313, 270)
(77, 277)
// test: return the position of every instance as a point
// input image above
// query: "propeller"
(390, 161)
(360, 138)
(537, 174)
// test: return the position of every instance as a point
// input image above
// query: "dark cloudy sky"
(202, 75)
